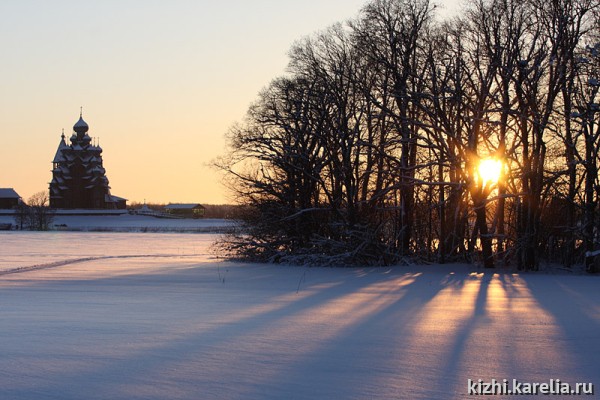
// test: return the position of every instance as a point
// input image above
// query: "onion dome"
(81, 126)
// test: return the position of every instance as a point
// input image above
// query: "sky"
(160, 83)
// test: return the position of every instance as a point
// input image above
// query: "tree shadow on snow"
(574, 304)
(365, 359)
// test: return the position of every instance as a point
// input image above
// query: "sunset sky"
(160, 83)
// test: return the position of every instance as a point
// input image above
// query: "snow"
(183, 206)
(25, 250)
(131, 223)
(8, 193)
(174, 322)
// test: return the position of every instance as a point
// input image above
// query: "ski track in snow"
(62, 263)
(156, 316)
(28, 251)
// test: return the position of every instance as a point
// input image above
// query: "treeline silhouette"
(366, 151)
(217, 211)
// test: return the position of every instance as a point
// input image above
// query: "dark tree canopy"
(370, 148)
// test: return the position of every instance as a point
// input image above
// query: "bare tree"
(21, 215)
(390, 33)
(368, 149)
(40, 215)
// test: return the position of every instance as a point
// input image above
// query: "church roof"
(111, 198)
(59, 157)
(81, 125)
(8, 193)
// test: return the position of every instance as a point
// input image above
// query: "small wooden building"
(9, 198)
(119, 203)
(189, 210)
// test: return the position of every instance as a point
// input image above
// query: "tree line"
(217, 211)
(366, 151)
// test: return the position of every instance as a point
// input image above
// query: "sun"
(489, 170)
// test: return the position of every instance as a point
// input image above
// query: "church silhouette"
(78, 176)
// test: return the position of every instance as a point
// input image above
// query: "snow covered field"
(26, 249)
(131, 223)
(176, 323)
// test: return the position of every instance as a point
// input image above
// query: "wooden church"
(78, 175)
